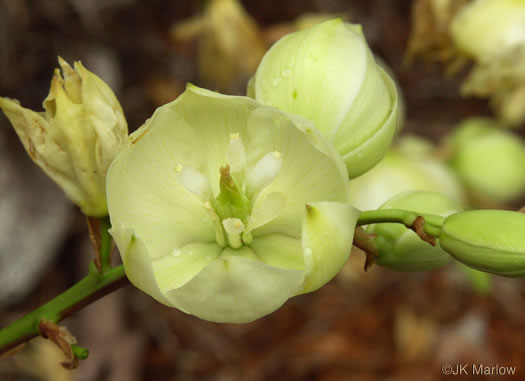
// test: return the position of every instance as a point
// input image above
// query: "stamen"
(219, 233)
(264, 171)
(194, 181)
(236, 154)
(233, 227)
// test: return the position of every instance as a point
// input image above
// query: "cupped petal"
(137, 262)
(160, 208)
(279, 250)
(234, 289)
(328, 233)
(311, 170)
(266, 210)
(176, 269)
(377, 140)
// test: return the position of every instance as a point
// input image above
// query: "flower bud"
(77, 136)
(487, 240)
(327, 74)
(225, 208)
(409, 166)
(400, 248)
(488, 159)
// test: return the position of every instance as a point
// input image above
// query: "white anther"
(219, 233)
(194, 181)
(236, 154)
(264, 171)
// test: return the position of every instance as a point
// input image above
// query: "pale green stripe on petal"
(236, 290)
(328, 232)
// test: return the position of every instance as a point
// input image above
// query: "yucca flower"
(225, 208)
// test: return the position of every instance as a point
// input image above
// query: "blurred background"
(375, 325)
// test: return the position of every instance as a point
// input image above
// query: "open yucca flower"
(225, 208)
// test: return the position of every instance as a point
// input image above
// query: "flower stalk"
(431, 224)
(98, 284)
(92, 287)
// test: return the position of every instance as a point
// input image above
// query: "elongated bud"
(487, 240)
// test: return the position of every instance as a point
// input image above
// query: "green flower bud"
(400, 248)
(488, 159)
(487, 240)
(407, 167)
(225, 208)
(327, 74)
(76, 138)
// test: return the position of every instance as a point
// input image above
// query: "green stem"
(90, 288)
(432, 226)
(79, 352)
(105, 243)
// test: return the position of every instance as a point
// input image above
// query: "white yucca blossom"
(225, 208)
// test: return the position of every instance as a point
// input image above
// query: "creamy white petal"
(233, 289)
(137, 263)
(307, 174)
(279, 250)
(328, 232)
(182, 264)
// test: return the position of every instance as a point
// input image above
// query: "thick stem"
(92, 287)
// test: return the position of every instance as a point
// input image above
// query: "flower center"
(232, 211)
